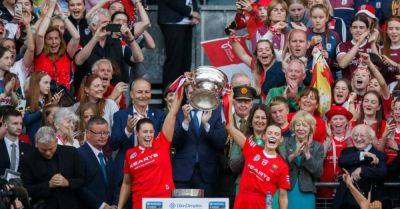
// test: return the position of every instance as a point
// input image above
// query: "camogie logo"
(133, 155)
(257, 158)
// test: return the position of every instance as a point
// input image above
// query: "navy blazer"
(119, 141)
(95, 190)
(372, 176)
(24, 149)
(207, 145)
(32, 122)
(172, 11)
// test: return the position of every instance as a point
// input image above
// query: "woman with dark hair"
(391, 50)
(53, 56)
(92, 91)
(340, 92)
(267, 71)
(85, 112)
(274, 29)
(264, 172)
(371, 114)
(37, 96)
(309, 101)
(144, 177)
(348, 53)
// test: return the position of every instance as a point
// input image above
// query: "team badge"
(87, 31)
(133, 155)
(257, 157)
(274, 167)
(243, 90)
(264, 162)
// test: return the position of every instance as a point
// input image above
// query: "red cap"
(368, 10)
(338, 110)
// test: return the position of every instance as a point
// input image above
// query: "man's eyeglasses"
(105, 133)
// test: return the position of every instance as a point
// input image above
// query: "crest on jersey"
(133, 155)
(257, 157)
(274, 167)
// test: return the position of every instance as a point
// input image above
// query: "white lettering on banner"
(259, 174)
(145, 161)
(228, 51)
(181, 203)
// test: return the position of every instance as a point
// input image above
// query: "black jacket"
(24, 150)
(172, 11)
(37, 171)
(372, 176)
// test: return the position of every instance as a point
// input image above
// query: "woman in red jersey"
(264, 170)
(148, 169)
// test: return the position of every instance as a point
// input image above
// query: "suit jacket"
(96, 189)
(372, 176)
(207, 146)
(24, 150)
(172, 11)
(32, 122)
(308, 171)
(121, 143)
(37, 171)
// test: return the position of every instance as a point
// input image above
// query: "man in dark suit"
(199, 136)
(97, 192)
(122, 132)
(52, 174)
(176, 19)
(366, 165)
(12, 150)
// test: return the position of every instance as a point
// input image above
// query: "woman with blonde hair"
(305, 158)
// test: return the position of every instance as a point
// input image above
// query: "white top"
(8, 145)
(22, 72)
(109, 109)
(74, 143)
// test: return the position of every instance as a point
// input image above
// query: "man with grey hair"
(295, 73)
(239, 79)
(52, 173)
(366, 166)
(104, 69)
(103, 45)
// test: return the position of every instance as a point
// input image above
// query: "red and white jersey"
(150, 170)
(390, 153)
(261, 174)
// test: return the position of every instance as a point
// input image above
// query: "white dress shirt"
(129, 134)
(8, 145)
(198, 115)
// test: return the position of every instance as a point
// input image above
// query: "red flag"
(177, 85)
(220, 52)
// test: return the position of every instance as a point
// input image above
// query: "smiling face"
(360, 79)
(96, 89)
(265, 53)
(141, 93)
(272, 137)
(53, 41)
(6, 61)
(338, 124)
(360, 136)
(145, 135)
(374, 85)
(396, 111)
(104, 70)
(297, 11)
(340, 92)
(309, 102)
(44, 85)
(357, 29)
(259, 121)
(298, 44)
(278, 13)
(302, 130)
(295, 72)
(242, 107)
(76, 8)
(319, 19)
(393, 31)
(371, 105)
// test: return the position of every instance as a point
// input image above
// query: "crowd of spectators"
(77, 127)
